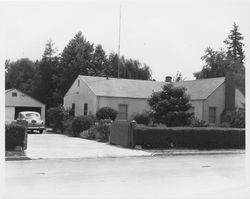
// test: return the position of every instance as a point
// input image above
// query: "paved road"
(196, 177)
(51, 146)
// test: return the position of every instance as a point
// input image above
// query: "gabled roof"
(14, 89)
(113, 87)
(8, 90)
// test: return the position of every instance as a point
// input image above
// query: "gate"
(121, 133)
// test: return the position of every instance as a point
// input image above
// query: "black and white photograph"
(124, 99)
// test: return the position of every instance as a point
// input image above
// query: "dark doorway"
(19, 109)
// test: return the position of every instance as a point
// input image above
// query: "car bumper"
(36, 127)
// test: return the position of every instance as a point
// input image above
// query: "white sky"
(169, 36)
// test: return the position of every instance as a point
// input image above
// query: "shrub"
(80, 124)
(235, 118)
(100, 131)
(14, 136)
(195, 122)
(106, 113)
(143, 118)
(57, 116)
(67, 126)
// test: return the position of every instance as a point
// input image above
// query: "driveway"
(50, 146)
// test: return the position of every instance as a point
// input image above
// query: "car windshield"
(31, 115)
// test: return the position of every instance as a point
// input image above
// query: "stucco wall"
(134, 105)
(239, 99)
(216, 99)
(79, 96)
(22, 100)
(197, 108)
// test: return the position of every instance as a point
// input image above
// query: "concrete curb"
(175, 153)
(16, 158)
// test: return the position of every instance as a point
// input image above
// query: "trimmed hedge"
(188, 137)
(14, 136)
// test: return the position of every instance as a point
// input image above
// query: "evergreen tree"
(218, 63)
(44, 86)
(98, 62)
(20, 75)
(170, 106)
(76, 60)
(235, 45)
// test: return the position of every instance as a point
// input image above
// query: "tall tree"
(75, 60)
(20, 75)
(235, 46)
(128, 68)
(98, 62)
(178, 77)
(44, 86)
(216, 64)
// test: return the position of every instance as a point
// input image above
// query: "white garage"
(17, 101)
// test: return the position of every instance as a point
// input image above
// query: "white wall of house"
(217, 100)
(135, 105)
(9, 114)
(239, 99)
(80, 94)
(20, 100)
(197, 108)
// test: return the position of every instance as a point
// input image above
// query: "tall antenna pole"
(119, 41)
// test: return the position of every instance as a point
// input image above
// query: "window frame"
(210, 119)
(14, 94)
(85, 109)
(125, 113)
(73, 107)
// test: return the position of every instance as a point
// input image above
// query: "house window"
(14, 94)
(212, 115)
(73, 109)
(78, 82)
(85, 111)
(122, 112)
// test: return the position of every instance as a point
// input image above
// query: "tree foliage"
(170, 106)
(218, 63)
(20, 75)
(49, 78)
(235, 46)
(44, 84)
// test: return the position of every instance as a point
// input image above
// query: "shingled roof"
(113, 87)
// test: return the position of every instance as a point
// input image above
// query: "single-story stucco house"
(17, 101)
(209, 97)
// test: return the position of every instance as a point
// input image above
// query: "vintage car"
(35, 123)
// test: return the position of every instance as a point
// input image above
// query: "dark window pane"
(14, 94)
(85, 109)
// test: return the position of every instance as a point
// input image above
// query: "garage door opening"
(19, 109)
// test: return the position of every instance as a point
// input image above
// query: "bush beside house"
(81, 123)
(143, 118)
(171, 106)
(106, 113)
(56, 117)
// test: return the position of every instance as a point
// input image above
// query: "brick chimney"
(229, 92)
(168, 79)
